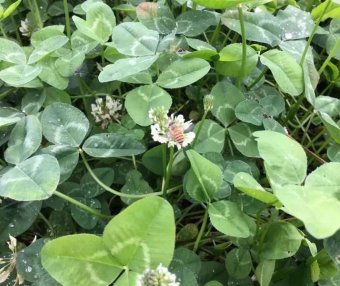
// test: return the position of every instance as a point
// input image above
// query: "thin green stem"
(134, 161)
(107, 188)
(328, 59)
(315, 28)
(297, 105)
(258, 78)
(36, 13)
(199, 129)
(216, 33)
(203, 226)
(244, 46)
(168, 171)
(14, 23)
(47, 223)
(67, 19)
(3, 32)
(81, 205)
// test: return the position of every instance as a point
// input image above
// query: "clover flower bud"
(208, 102)
(161, 276)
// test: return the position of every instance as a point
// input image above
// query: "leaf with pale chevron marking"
(25, 139)
(85, 258)
(211, 137)
(106, 145)
(183, 72)
(143, 235)
(134, 39)
(33, 179)
(140, 100)
(11, 52)
(64, 124)
(99, 23)
(204, 179)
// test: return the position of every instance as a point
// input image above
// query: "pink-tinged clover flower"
(171, 130)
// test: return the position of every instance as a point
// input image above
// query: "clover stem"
(203, 226)
(244, 46)
(107, 188)
(168, 171)
(82, 206)
(67, 19)
(199, 129)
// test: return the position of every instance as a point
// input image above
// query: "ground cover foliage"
(105, 181)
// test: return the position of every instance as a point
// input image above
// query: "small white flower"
(161, 276)
(25, 28)
(106, 112)
(171, 130)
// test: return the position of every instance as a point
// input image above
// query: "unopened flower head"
(106, 111)
(171, 130)
(208, 102)
(161, 276)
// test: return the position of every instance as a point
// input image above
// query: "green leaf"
(156, 16)
(81, 43)
(134, 39)
(242, 136)
(220, 4)
(99, 23)
(194, 22)
(316, 203)
(264, 272)
(64, 124)
(32, 102)
(69, 63)
(332, 246)
(332, 127)
(286, 71)
(9, 116)
(229, 219)
(135, 184)
(33, 179)
(106, 145)
(259, 27)
(19, 74)
(211, 137)
(140, 100)
(90, 188)
(46, 33)
(50, 74)
(230, 60)
(11, 52)
(84, 256)
(295, 23)
(248, 185)
(185, 265)
(67, 157)
(285, 159)
(250, 111)
(82, 217)
(143, 235)
(24, 140)
(238, 263)
(153, 159)
(126, 67)
(17, 217)
(10, 9)
(226, 97)
(204, 177)
(281, 240)
(46, 47)
(183, 72)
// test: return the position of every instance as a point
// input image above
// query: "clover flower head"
(10, 262)
(106, 111)
(161, 276)
(208, 102)
(25, 28)
(170, 130)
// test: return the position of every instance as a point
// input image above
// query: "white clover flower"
(25, 28)
(171, 130)
(161, 276)
(106, 112)
(10, 262)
